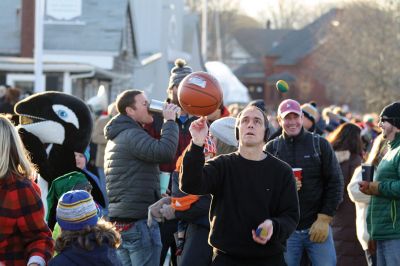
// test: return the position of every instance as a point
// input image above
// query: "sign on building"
(64, 9)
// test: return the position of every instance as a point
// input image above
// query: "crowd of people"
(247, 186)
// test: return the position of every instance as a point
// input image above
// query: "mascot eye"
(62, 114)
(66, 114)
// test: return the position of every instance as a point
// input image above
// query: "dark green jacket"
(58, 187)
(131, 164)
(383, 219)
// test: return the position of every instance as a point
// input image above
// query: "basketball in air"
(282, 86)
(199, 94)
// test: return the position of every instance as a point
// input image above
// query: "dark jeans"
(225, 260)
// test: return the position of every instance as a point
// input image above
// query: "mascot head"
(56, 118)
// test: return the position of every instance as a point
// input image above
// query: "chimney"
(27, 28)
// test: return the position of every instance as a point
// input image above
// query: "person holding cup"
(131, 163)
(321, 187)
(180, 70)
(383, 225)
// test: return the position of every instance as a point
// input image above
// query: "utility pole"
(38, 50)
(204, 30)
(218, 34)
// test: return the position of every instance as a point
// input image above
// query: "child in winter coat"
(84, 239)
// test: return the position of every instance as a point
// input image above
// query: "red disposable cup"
(298, 173)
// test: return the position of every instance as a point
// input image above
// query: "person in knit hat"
(223, 130)
(310, 118)
(99, 192)
(58, 187)
(84, 240)
(178, 73)
(382, 223)
(391, 114)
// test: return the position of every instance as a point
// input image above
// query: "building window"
(54, 82)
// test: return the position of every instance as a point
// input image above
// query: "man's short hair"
(126, 99)
(266, 122)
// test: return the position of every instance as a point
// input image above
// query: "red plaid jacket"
(23, 231)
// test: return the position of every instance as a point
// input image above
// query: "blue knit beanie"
(76, 210)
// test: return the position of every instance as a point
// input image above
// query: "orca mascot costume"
(54, 125)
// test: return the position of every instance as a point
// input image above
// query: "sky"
(254, 7)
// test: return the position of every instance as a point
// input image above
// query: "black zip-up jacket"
(322, 183)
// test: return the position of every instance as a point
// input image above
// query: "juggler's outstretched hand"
(199, 131)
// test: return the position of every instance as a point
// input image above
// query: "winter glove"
(154, 210)
(369, 188)
(167, 211)
(320, 228)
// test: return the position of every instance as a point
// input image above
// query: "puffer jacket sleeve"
(333, 179)
(390, 188)
(149, 149)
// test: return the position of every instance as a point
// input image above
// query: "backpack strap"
(316, 144)
(276, 145)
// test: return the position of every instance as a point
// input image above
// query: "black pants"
(225, 260)
(167, 230)
(196, 251)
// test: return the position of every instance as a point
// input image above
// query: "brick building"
(287, 55)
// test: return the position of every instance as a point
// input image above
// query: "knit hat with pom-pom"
(179, 72)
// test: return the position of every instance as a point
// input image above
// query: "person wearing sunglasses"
(382, 221)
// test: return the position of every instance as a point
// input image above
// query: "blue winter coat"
(102, 255)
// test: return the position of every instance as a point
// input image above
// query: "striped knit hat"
(76, 210)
